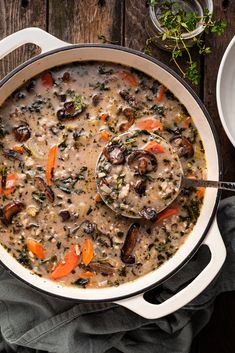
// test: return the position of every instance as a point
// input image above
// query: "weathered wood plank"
(81, 21)
(136, 18)
(15, 15)
(223, 10)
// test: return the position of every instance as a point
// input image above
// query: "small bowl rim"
(185, 36)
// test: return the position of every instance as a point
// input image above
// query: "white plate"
(225, 91)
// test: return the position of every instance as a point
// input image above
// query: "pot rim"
(217, 144)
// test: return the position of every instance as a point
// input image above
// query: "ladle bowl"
(115, 166)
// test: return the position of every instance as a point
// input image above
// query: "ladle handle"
(224, 185)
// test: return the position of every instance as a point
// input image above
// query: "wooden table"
(123, 22)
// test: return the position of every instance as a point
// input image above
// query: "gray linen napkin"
(31, 321)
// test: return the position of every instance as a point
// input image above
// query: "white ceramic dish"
(225, 91)
(54, 53)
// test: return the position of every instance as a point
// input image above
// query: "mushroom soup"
(52, 131)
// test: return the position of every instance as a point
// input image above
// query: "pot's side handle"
(30, 35)
(154, 311)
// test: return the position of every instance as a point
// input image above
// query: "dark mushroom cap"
(129, 244)
(65, 215)
(89, 227)
(22, 132)
(10, 210)
(183, 147)
(140, 186)
(149, 213)
(142, 162)
(115, 153)
(69, 112)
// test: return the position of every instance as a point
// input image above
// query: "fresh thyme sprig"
(104, 39)
(176, 22)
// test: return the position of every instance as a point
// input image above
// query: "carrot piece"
(160, 94)
(36, 248)
(167, 213)
(187, 122)
(201, 192)
(149, 124)
(19, 149)
(10, 184)
(97, 198)
(104, 116)
(51, 164)
(66, 266)
(153, 146)
(129, 78)
(104, 135)
(87, 252)
(47, 80)
(86, 274)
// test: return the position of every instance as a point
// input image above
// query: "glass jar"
(155, 31)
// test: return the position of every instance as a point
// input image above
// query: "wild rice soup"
(52, 130)
(131, 170)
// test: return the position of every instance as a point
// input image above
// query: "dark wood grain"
(136, 18)
(15, 15)
(81, 21)
(226, 11)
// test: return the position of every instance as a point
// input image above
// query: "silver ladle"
(184, 182)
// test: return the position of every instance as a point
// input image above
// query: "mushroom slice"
(130, 242)
(129, 113)
(140, 186)
(22, 132)
(42, 186)
(105, 270)
(115, 153)
(89, 227)
(142, 162)
(70, 111)
(183, 147)
(10, 210)
(149, 213)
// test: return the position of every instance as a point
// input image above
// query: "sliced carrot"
(149, 124)
(86, 274)
(201, 192)
(104, 116)
(36, 248)
(129, 78)
(10, 184)
(104, 135)
(167, 213)
(87, 252)
(97, 198)
(66, 266)
(160, 94)
(51, 164)
(19, 149)
(187, 122)
(47, 80)
(153, 146)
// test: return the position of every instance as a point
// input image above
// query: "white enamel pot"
(54, 53)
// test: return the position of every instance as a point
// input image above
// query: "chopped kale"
(23, 257)
(38, 196)
(158, 109)
(81, 282)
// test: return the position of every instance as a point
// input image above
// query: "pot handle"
(154, 311)
(30, 35)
